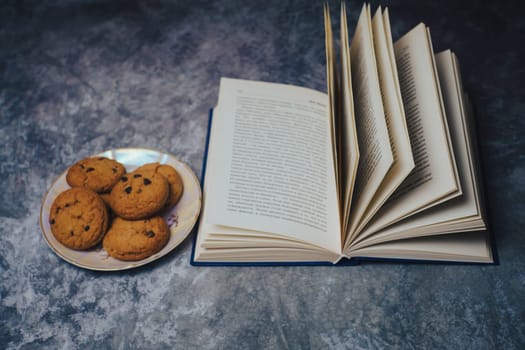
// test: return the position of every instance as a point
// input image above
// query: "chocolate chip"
(101, 158)
(123, 179)
(150, 234)
(137, 175)
(147, 181)
(89, 170)
(67, 205)
(52, 221)
(71, 233)
(86, 228)
(128, 190)
(114, 170)
(81, 166)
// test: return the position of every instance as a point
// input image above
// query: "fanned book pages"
(383, 166)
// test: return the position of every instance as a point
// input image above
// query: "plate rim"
(132, 264)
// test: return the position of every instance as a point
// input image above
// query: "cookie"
(78, 218)
(98, 174)
(139, 195)
(173, 177)
(136, 239)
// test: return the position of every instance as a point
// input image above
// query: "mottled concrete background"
(80, 77)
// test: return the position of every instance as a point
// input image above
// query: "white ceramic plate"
(180, 219)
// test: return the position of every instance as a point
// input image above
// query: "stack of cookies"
(122, 210)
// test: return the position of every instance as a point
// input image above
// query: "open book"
(382, 166)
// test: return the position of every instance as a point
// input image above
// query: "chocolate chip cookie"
(136, 239)
(99, 174)
(78, 218)
(138, 195)
(173, 177)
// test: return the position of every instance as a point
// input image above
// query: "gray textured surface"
(80, 77)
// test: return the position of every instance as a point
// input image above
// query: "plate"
(180, 219)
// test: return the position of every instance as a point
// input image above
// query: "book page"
(434, 178)
(250, 246)
(468, 247)
(374, 145)
(272, 168)
(472, 139)
(350, 147)
(392, 57)
(395, 120)
(331, 81)
(461, 213)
